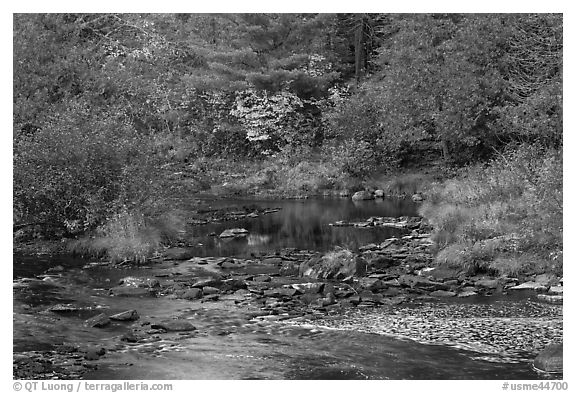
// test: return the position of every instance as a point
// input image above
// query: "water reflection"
(300, 224)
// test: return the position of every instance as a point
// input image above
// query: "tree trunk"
(445, 150)
(358, 47)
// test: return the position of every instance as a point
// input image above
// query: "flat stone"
(467, 294)
(530, 285)
(176, 325)
(131, 292)
(130, 315)
(554, 299)
(280, 292)
(99, 321)
(234, 232)
(420, 282)
(64, 308)
(441, 293)
(368, 247)
(262, 278)
(207, 282)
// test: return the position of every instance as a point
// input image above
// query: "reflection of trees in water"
(304, 224)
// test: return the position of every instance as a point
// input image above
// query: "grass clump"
(130, 236)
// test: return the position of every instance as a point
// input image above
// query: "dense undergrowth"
(503, 217)
(109, 138)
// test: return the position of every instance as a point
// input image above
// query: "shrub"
(71, 172)
(355, 158)
(84, 167)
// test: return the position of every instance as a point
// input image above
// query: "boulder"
(442, 273)
(233, 284)
(547, 279)
(309, 287)
(486, 284)
(380, 261)
(550, 359)
(99, 321)
(362, 195)
(192, 294)
(371, 284)
(417, 197)
(328, 300)
(556, 290)
(176, 325)
(289, 268)
(209, 291)
(379, 193)
(94, 353)
(130, 315)
(132, 337)
(234, 232)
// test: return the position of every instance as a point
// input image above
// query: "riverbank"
(290, 287)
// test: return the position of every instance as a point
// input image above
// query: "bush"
(355, 158)
(82, 168)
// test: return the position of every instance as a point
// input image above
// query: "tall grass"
(489, 218)
(130, 236)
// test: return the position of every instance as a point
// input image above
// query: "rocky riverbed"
(390, 288)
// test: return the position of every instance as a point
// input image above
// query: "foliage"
(116, 112)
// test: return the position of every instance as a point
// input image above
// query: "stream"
(482, 337)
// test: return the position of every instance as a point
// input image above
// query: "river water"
(230, 345)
